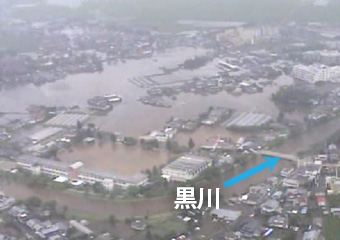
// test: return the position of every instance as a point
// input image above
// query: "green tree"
(33, 202)
(191, 143)
(168, 145)
(281, 116)
(99, 135)
(133, 191)
(64, 210)
(112, 220)
(155, 144)
(293, 221)
(98, 188)
(50, 205)
(54, 151)
(289, 236)
(127, 221)
(148, 172)
(130, 141)
(155, 171)
(113, 138)
(79, 125)
(148, 235)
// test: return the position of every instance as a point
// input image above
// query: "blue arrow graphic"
(270, 162)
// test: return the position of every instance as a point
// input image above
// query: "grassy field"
(165, 225)
(331, 228)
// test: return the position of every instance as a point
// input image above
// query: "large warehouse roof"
(187, 164)
(248, 120)
(44, 134)
(67, 120)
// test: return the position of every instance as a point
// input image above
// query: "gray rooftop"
(187, 164)
(136, 178)
(230, 215)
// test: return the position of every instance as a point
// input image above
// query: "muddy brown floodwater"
(120, 159)
(91, 207)
(102, 208)
(134, 119)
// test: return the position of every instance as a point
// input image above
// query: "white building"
(160, 136)
(334, 184)
(316, 73)
(185, 168)
(76, 172)
(290, 183)
(278, 221)
(249, 34)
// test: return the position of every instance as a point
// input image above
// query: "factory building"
(67, 120)
(44, 134)
(248, 120)
(185, 168)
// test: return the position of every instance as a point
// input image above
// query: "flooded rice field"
(117, 158)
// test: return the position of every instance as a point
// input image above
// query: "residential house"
(314, 234)
(278, 221)
(226, 214)
(333, 154)
(138, 225)
(270, 206)
(256, 195)
(251, 229)
(290, 183)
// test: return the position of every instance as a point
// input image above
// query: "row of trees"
(170, 145)
(35, 203)
(90, 131)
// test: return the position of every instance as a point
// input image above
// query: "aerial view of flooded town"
(124, 119)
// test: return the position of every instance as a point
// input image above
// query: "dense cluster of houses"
(37, 222)
(269, 208)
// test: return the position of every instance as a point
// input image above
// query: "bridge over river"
(269, 153)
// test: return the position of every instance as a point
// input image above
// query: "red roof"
(321, 199)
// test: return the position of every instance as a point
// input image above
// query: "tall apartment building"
(323, 57)
(316, 73)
